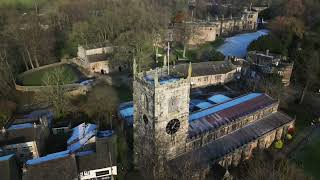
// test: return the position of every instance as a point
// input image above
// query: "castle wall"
(208, 31)
(203, 34)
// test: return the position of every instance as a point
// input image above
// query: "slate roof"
(204, 68)
(20, 135)
(64, 168)
(98, 57)
(227, 144)
(9, 169)
(227, 112)
(33, 117)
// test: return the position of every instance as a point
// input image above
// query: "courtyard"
(71, 73)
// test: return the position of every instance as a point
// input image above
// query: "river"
(237, 45)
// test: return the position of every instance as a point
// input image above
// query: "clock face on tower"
(173, 126)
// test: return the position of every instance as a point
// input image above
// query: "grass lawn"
(302, 113)
(35, 79)
(20, 3)
(309, 156)
(203, 52)
(124, 93)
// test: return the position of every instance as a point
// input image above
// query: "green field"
(309, 156)
(35, 78)
(21, 3)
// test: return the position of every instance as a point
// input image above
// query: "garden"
(71, 73)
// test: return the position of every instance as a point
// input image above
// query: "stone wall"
(285, 72)
(100, 67)
(75, 88)
(214, 79)
(42, 67)
(208, 31)
(245, 152)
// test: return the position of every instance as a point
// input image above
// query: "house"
(261, 63)
(209, 73)
(9, 167)
(96, 58)
(90, 154)
(26, 136)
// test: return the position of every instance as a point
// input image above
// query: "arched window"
(145, 119)
(144, 102)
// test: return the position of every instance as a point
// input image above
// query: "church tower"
(161, 113)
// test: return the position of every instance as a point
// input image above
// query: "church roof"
(227, 144)
(216, 116)
(204, 68)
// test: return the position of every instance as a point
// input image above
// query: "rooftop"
(7, 157)
(48, 157)
(219, 98)
(232, 141)
(163, 79)
(81, 135)
(20, 134)
(223, 106)
(99, 57)
(21, 126)
(224, 113)
(97, 45)
(204, 68)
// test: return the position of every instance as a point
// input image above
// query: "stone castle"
(225, 133)
(198, 32)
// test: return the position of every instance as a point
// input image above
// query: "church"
(222, 130)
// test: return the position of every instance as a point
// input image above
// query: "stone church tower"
(161, 114)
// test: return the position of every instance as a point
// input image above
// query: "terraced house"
(224, 131)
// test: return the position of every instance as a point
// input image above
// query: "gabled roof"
(204, 68)
(62, 168)
(20, 135)
(227, 112)
(228, 143)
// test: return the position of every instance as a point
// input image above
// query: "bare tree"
(54, 92)
(309, 70)
(6, 76)
(265, 166)
(102, 104)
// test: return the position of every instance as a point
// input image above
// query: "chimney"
(24, 168)
(34, 125)
(3, 130)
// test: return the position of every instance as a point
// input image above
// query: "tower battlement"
(160, 77)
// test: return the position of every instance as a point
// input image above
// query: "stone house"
(90, 154)
(224, 133)
(25, 137)
(210, 73)
(95, 58)
(267, 63)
